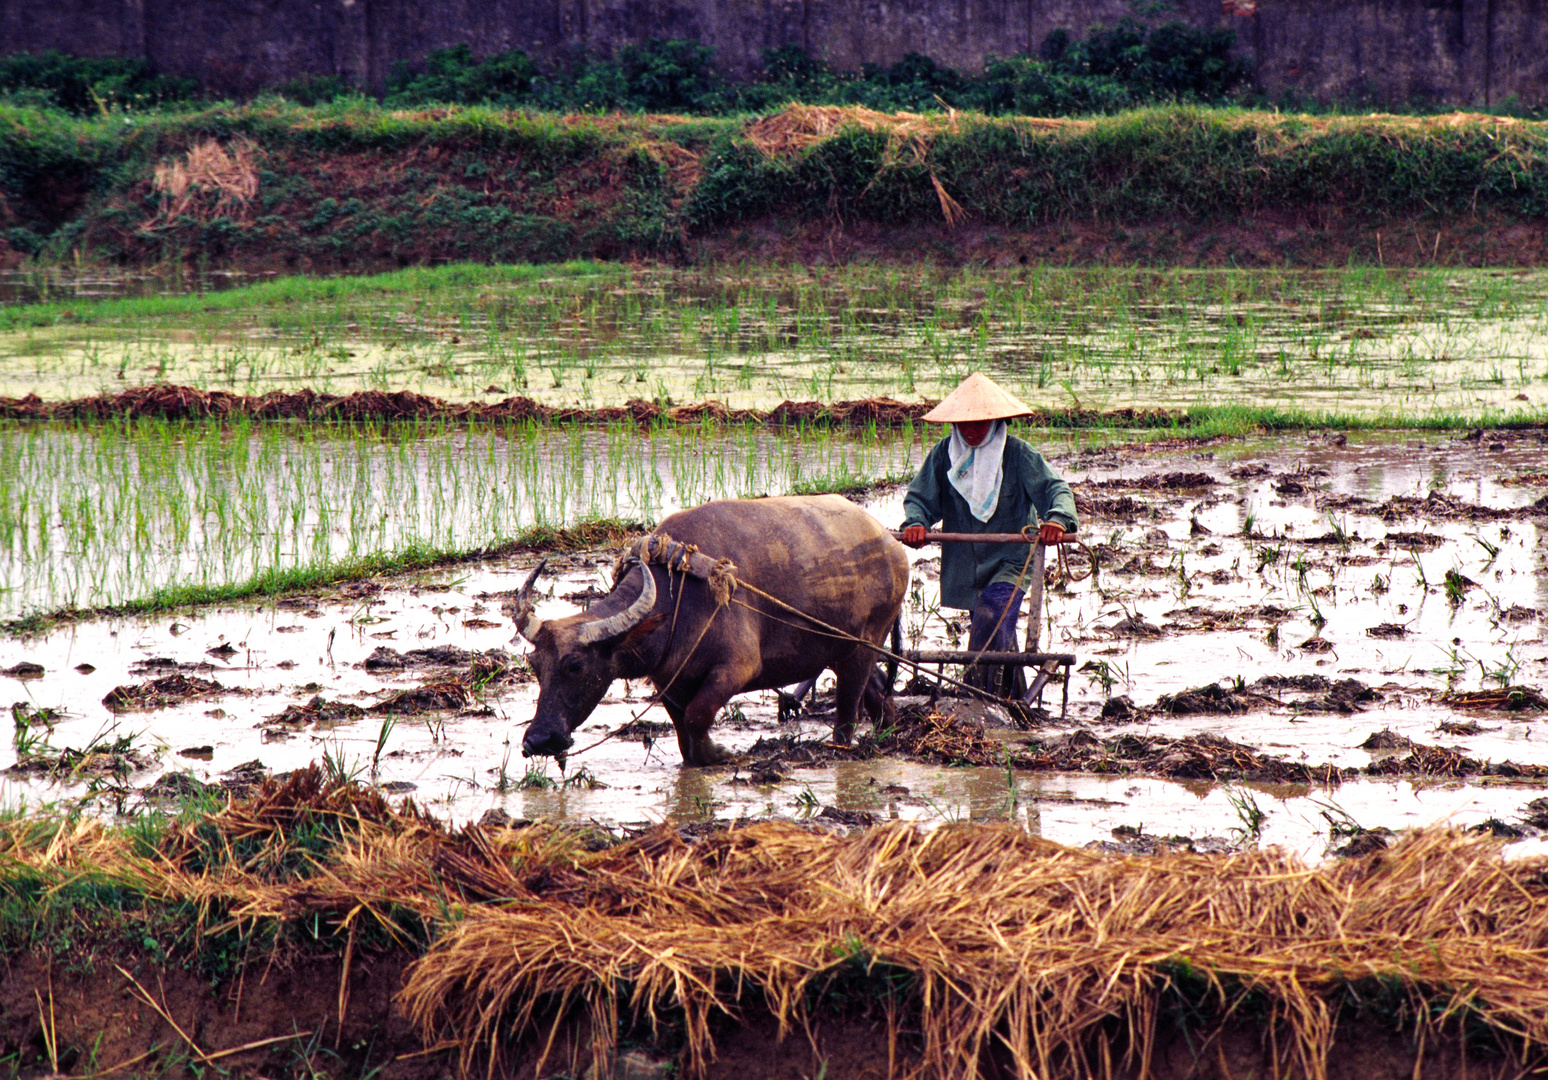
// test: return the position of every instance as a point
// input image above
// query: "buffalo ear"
(641, 632)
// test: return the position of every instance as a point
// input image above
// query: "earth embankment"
(355, 187)
(309, 928)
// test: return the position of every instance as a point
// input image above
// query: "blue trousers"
(992, 628)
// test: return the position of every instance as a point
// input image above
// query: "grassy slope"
(354, 185)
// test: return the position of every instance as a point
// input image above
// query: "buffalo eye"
(574, 666)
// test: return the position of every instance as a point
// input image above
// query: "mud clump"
(431, 697)
(1462, 727)
(1413, 541)
(1120, 710)
(1536, 813)
(1133, 626)
(1212, 700)
(1387, 631)
(1438, 506)
(1197, 757)
(1508, 699)
(159, 693)
(318, 709)
(176, 787)
(159, 665)
(1386, 739)
(1332, 695)
(1171, 481)
(1122, 508)
(24, 670)
(383, 658)
(1366, 842)
(644, 731)
(1427, 761)
(113, 760)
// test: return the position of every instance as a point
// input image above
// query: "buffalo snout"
(545, 742)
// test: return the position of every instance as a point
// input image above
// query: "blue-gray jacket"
(1030, 492)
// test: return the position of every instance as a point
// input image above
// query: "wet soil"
(1232, 634)
(303, 1016)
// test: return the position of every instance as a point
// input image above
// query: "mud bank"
(313, 928)
(275, 186)
(283, 1019)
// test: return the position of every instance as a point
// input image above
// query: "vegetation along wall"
(1463, 52)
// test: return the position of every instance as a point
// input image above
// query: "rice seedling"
(1250, 815)
(381, 741)
(94, 516)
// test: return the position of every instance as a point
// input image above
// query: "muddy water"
(1275, 559)
(65, 286)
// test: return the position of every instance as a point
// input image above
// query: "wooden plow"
(1042, 667)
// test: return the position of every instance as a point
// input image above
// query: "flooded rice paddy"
(1294, 595)
(1357, 341)
(95, 515)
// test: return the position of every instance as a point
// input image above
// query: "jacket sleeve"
(1050, 496)
(922, 504)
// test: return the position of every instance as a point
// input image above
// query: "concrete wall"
(1464, 52)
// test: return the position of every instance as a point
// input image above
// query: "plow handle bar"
(977, 538)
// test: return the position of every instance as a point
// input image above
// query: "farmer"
(982, 479)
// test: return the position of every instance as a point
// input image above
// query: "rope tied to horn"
(680, 558)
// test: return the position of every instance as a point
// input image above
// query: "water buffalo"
(821, 555)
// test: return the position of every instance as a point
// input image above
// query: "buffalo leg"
(853, 674)
(693, 732)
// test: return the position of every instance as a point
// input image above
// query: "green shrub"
(315, 89)
(1174, 62)
(1030, 87)
(453, 76)
(83, 85)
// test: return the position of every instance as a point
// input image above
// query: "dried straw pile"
(210, 180)
(1052, 960)
(995, 945)
(796, 128)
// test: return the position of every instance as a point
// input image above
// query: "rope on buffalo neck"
(728, 571)
(677, 557)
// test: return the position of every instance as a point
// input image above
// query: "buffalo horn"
(628, 618)
(527, 623)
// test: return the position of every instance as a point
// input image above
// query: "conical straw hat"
(977, 397)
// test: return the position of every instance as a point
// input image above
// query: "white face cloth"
(976, 471)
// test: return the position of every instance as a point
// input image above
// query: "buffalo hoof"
(709, 752)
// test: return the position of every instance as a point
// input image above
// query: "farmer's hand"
(914, 535)
(1051, 532)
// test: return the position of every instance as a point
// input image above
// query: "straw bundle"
(1053, 961)
(986, 949)
(797, 128)
(208, 181)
